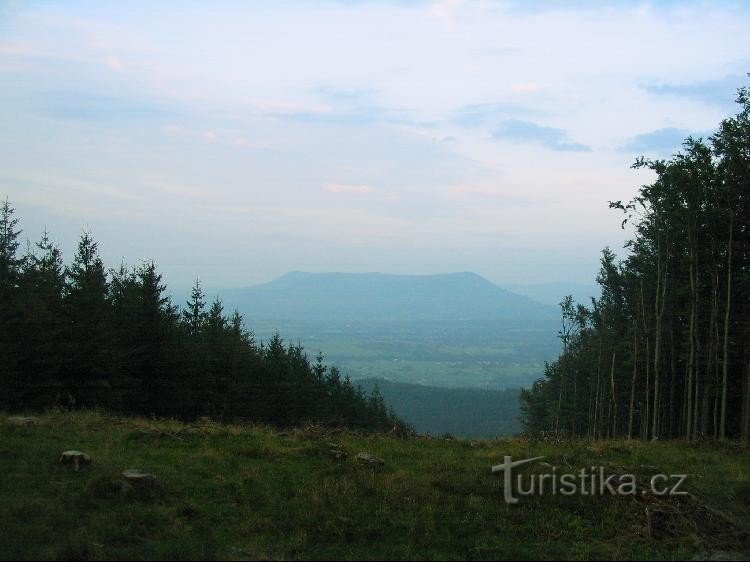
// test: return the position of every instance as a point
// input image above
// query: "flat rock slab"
(370, 459)
(139, 477)
(20, 421)
(720, 556)
(75, 458)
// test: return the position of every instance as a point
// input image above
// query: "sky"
(235, 141)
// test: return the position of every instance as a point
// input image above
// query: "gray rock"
(21, 421)
(75, 458)
(138, 477)
(370, 459)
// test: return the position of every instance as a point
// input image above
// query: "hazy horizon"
(241, 141)
(549, 293)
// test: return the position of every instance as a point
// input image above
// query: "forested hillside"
(665, 351)
(82, 336)
(459, 412)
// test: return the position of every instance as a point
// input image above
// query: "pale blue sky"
(240, 140)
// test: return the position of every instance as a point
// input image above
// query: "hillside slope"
(237, 492)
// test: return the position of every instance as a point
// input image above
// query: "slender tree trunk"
(705, 406)
(613, 399)
(573, 424)
(633, 379)
(698, 350)
(672, 386)
(716, 364)
(646, 410)
(716, 416)
(661, 287)
(560, 397)
(696, 403)
(657, 342)
(708, 387)
(746, 427)
(590, 425)
(712, 341)
(727, 312)
(697, 395)
(598, 378)
(691, 340)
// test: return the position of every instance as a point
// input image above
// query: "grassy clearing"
(244, 492)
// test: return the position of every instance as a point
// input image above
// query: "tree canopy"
(665, 350)
(86, 336)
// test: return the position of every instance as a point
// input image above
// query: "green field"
(246, 492)
(362, 356)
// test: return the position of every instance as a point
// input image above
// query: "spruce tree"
(43, 329)
(87, 311)
(10, 269)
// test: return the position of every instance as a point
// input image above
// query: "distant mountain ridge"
(446, 330)
(380, 297)
(553, 292)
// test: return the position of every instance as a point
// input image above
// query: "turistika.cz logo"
(591, 481)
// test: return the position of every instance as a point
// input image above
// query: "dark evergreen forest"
(84, 336)
(665, 351)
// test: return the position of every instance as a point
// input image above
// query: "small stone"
(139, 477)
(337, 454)
(75, 458)
(370, 459)
(21, 421)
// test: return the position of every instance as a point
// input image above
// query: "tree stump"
(75, 458)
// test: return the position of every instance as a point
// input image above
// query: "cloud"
(86, 106)
(549, 137)
(478, 114)
(342, 106)
(446, 9)
(662, 142)
(113, 63)
(525, 88)
(333, 117)
(310, 102)
(503, 196)
(718, 92)
(347, 188)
